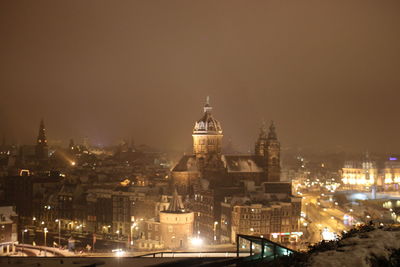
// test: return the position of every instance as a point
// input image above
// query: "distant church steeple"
(273, 148)
(41, 142)
(261, 143)
(272, 133)
(42, 134)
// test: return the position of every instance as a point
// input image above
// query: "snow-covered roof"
(186, 164)
(232, 163)
(242, 163)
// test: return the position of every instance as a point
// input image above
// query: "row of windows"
(150, 227)
(251, 216)
(208, 141)
(155, 236)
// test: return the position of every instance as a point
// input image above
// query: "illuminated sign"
(392, 158)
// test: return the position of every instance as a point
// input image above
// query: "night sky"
(327, 72)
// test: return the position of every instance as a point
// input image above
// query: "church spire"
(207, 106)
(273, 155)
(263, 130)
(272, 133)
(260, 146)
(41, 139)
(41, 143)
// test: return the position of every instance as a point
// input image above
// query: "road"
(319, 218)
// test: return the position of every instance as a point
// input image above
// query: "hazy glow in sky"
(327, 72)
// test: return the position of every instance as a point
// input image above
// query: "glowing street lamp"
(132, 228)
(45, 239)
(118, 232)
(215, 230)
(23, 231)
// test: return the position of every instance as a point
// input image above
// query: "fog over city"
(327, 73)
(199, 133)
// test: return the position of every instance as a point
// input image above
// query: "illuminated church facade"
(208, 161)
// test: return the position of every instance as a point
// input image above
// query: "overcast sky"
(327, 72)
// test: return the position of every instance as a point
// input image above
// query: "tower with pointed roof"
(207, 135)
(273, 155)
(41, 143)
(176, 224)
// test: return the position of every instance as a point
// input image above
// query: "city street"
(319, 218)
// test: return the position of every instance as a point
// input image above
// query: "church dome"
(207, 124)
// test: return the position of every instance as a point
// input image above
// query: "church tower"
(207, 135)
(273, 148)
(261, 143)
(41, 143)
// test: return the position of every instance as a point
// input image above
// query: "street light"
(45, 239)
(215, 230)
(132, 227)
(117, 232)
(59, 232)
(22, 232)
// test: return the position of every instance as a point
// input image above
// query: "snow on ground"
(359, 250)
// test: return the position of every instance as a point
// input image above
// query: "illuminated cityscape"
(178, 133)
